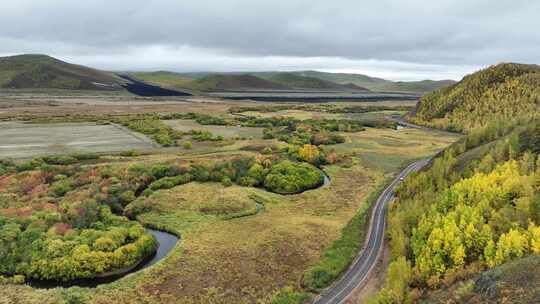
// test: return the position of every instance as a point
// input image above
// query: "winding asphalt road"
(367, 258)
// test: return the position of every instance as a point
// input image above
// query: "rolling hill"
(379, 84)
(300, 80)
(243, 82)
(234, 83)
(44, 72)
(297, 81)
(501, 92)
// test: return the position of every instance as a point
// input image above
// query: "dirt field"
(18, 140)
(225, 131)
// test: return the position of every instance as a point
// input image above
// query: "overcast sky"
(395, 39)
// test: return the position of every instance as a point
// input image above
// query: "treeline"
(328, 108)
(9, 166)
(477, 206)
(275, 175)
(501, 92)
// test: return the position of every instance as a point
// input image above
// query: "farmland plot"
(18, 140)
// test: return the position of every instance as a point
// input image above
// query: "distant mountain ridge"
(208, 82)
(33, 71)
(303, 80)
(42, 71)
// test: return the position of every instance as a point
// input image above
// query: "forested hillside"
(500, 92)
(476, 207)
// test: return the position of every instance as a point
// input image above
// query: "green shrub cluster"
(44, 162)
(154, 127)
(170, 182)
(287, 178)
(203, 135)
(288, 295)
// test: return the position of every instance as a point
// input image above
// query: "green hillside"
(501, 92)
(163, 78)
(296, 81)
(379, 84)
(44, 72)
(233, 83)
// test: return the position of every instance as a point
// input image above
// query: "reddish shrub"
(61, 228)
(4, 181)
(25, 212)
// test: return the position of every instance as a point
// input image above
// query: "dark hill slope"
(44, 72)
(501, 92)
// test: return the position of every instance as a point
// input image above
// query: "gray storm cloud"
(444, 37)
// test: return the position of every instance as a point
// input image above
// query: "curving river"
(166, 242)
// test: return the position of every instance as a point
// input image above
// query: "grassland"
(242, 244)
(386, 150)
(41, 71)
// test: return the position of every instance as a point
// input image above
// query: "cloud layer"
(402, 39)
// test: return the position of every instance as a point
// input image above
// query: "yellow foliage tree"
(310, 153)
